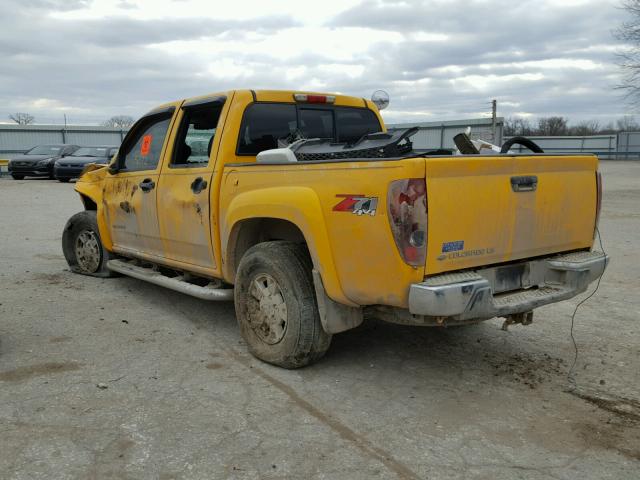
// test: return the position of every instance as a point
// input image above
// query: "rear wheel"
(82, 246)
(63, 180)
(17, 177)
(276, 305)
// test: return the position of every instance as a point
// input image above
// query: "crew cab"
(306, 212)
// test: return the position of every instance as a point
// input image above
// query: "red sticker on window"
(146, 145)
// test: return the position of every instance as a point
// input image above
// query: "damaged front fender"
(90, 186)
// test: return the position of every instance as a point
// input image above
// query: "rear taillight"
(598, 199)
(407, 206)
(306, 98)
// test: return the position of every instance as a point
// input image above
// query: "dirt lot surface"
(116, 378)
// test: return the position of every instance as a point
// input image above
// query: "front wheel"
(276, 305)
(63, 180)
(17, 177)
(82, 246)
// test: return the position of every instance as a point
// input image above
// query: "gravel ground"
(115, 378)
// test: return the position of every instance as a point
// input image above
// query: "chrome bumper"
(505, 290)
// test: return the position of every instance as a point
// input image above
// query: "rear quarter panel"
(355, 254)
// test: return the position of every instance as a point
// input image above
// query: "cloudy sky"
(438, 59)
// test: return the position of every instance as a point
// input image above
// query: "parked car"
(72, 165)
(38, 162)
(308, 234)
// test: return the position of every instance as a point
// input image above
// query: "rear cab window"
(316, 123)
(273, 125)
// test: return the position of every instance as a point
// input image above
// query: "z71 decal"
(357, 204)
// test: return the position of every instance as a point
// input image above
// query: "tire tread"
(85, 219)
(292, 258)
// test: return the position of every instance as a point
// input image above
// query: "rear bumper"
(507, 290)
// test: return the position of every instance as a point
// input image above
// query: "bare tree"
(119, 121)
(559, 126)
(552, 126)
(586, 127)
(517, 126)
(629, 32)
(627, 124)
(509, 128)
(608, 129)
(22, 118)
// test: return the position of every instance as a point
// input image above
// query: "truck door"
(130, 193)
(185, 188)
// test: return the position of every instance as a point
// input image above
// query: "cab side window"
(195, 137)
(142, 151)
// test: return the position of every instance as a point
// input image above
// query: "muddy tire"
(17, 177)
(82, 246)
(276, 305)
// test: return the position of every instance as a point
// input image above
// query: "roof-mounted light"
(306, 98)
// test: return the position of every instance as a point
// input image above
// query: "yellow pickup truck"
(307, 212)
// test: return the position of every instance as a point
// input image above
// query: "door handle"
(527, 183)
(147, 185)
(198, 185)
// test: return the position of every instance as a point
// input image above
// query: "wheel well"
(88, 203)
(250, 232)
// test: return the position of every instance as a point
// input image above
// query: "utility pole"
(494, 111)
(64, 130)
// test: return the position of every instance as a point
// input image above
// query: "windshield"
(44, 150)
(90, 152)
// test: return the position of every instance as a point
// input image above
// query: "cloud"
(546, 57)
(438, 59)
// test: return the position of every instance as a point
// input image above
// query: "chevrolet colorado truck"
(304, 210)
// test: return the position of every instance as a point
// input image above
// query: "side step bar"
(174, 283)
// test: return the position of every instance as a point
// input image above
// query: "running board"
(174, 283)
